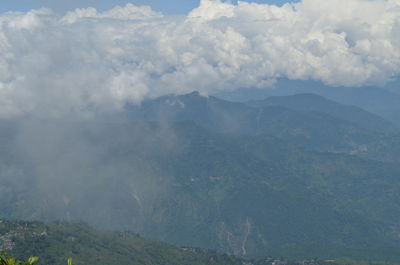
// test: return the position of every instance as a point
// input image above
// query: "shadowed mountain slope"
(316, 103)
(306, 120)
(177, 182)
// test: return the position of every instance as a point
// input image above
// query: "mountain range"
(380, 100)
(306, 120)
(298, 176)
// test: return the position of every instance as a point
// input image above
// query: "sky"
(170, 7)
(89, 60)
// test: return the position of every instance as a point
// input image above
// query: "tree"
(6, 260)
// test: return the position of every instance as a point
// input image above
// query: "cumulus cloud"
(89, 61)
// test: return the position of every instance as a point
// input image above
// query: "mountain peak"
(194, 93)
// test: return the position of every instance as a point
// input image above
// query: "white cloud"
(129, 12)
(90, 60)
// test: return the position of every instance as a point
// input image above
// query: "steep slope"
(264, 195)
(315, 103)
(314, 130)
(209, 112)
(247, 195)
(373, 99)
(317, 130)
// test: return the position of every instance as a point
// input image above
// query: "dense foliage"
(6, 260)
(57, 242)
(235, 178)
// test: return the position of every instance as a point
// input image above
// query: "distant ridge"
(307, 120)
(313, 102)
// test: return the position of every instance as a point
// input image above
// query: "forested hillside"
(57, 242)
(177, 182)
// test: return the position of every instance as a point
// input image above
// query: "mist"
(96, 124)
(102, 173)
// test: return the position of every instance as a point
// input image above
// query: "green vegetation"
(250, 196)
(231, 187)
(6, 260)
(55, 243)
(348, 261)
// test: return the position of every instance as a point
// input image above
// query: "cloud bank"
(89, 61)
